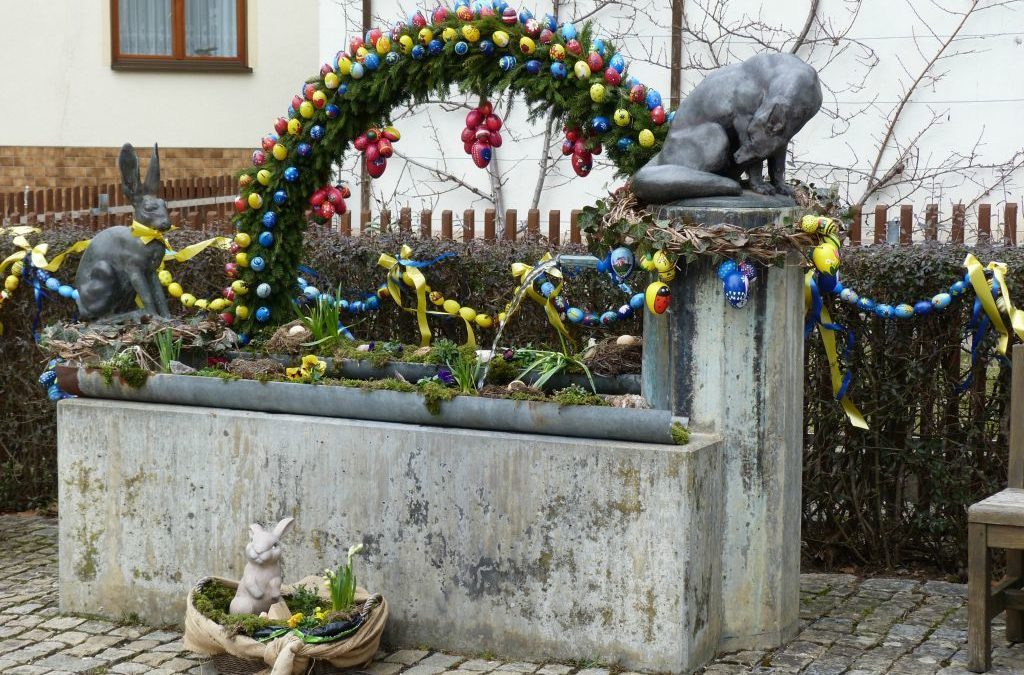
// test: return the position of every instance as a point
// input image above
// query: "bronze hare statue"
(122, 262)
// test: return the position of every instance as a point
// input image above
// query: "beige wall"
(58, 88)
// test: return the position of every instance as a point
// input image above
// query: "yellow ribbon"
(147, 234)
(37, 254)
(828, 339)
(520, 271)
(976, 273)
(412, 277)
(195, 249)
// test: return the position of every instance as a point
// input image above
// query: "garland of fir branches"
(367, 102)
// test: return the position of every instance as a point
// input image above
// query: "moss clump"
(387, 384)
(125, 366)
(577, 395)
(433, 394)
(680, 434)
(500, 371)
(441, 352)
(213, 600)
(217, 373)
(525, 396)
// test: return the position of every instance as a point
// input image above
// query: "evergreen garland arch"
(427, 56)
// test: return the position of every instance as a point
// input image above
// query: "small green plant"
(465, 371)
(443, 351)
(322, 319)
(547, 364)
(680, 434)
(342, 582)
(168, 348)
(126, 365)
(576, 395)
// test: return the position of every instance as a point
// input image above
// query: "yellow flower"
(294, 373)
(312, 365)
(295, 620)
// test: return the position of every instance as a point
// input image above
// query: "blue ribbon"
(420, 264)
(814, 319)
(979, 323)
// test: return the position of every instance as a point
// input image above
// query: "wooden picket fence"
(912, 231)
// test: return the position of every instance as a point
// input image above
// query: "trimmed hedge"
(894, 495)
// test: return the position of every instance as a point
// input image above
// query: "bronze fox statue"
(731, 123)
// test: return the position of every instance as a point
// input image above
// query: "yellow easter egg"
(500, 38)
(243, 240)
(218, 304)
(332, 81)
(451, 307)
(255, 200)
(597, 92)
(582, 70)
(319, 99)
(393, 132)
(826, 258)
(383, 45)
(294, 125)
(405, 44)
(467, 313)
(165, 277)
(241, 259)
(809, 224)
(361, 54)
(263, 176)
(662, 263)
(471, 32)
(11, 283)
(201, 304)
(239, 287)
(426, 35)
(647, 262)
(344, 66)
(657, 297)
(646, 138)
(17, 268)
(484, 321)
(242, 312)
(527, 45)
(622, 117)
(175, 290)
(187, 299)
(306, 109)
(667, 275)
(279, 152)
(436, 298)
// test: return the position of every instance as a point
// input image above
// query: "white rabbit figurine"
(260, 586)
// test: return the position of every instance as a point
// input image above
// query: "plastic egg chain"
(903, 310)
(368, 303)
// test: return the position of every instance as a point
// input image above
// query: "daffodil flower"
(295, 620)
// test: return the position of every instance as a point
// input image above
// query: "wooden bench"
(998, 522)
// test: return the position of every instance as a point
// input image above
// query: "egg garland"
(581, 146)
(48, 381)
(421, 54)
(326, 202)
(376, 146)
(481, 134)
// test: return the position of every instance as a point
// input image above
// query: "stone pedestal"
(738, 373)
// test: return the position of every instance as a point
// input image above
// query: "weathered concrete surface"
(514, 544)
(737, 373)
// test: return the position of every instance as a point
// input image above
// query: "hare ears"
(132, 186)
(278, 530)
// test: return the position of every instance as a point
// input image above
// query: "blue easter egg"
(54, 393)
(263, 290)
(461, 48)
(903, 311)
(355, 306)
(290, 112)
(332, 110)
(311, 292)
(263, 314)
(300, 282)
(304, 149)
(560, 303)
(391, 58)
(568, 31)
(269, 219)
(74, 294)
(617, 63)
(884, 311)
(507, 62)
(574, 314)
(942, 300)
(653, 99)
(598, 46)
(671, 116)
(343, 304)
(637, 302)
(486, 47)
(867, 304)
(65, 291)
(624, 312)
(601, 124)
(243, 339)
(624, 143)
(849, 295)
(549, 22)
(622, 261)
(342, 89)
(371, 62)
(591, 319)
(604, 265)
(316, 132)
(357, 71)
(417, 52)
(558, 70)
(736, 289)
(525, 15)
(266, 239)
(608, 318)
(372, 303)
(547, 288)
(435, 47)
(957, 288)
(533, 67)
(257, 264)
(727, 268)
(923, 307)
(47, 378)
(291, 174)
(280, 197)
(52, 284)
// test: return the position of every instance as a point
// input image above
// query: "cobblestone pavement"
(849, 626)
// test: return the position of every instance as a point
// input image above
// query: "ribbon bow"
(37, 254)
(523, 273)
(976, 274)
(146, 234)
(406, 270)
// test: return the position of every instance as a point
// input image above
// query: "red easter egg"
(345, 191)
(231, 270)
(486, 10)
(612, 77)
(376, 167)
(361, 142)
(481, 155)
(326, 211)
(228, 293)
(308, 90)
(483, 136)
(228, 318)
(638, 93)
(419, 20)
(440, 14)
(326, 68)
(241, 204)
(234, 248)
(486, 108)
(468, 146)
(546, 36)
(495, 139)
(532, 27)
(509, 16)
(296, 102)
(281, 126)
(340, 207)
(567, 147)
(658, 115)
(372, 135)
(582, 164)
(595, 62)
(468, 135)
(385, 148)
(464, 13)
(268, 143)
(374, 35)
(579, 148)
(354, 44)
(245, 180)
(493, 122)
(572, 135)
(372, 152)
(333, 194)
(573, 47)
(318, 197)
(597, 149)
(474, 118)
(259, 158)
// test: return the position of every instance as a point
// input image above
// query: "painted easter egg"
(657, 297)
(622, 117)
(258, 264)
(826, 258)
(266, 239)
(558, 70)
(262, 314)
(255, 200)
(622, 261)
(884, 311)
(646, 138)
(581, 70)
(269, 219)
(574, 314)
(904, 311)
(608, 318)
(736, 289)
(923, 307)
(263, 290)
(942, 300)
(636, 301)
(451, 306)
